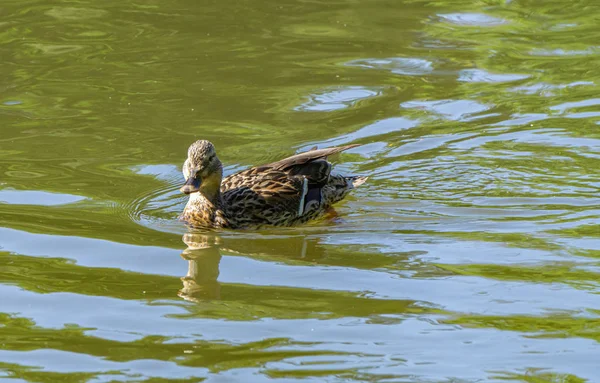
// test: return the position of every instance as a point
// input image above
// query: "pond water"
(471, 254)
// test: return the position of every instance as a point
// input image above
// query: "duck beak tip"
(191, 185)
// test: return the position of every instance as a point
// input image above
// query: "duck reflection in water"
(203, 254)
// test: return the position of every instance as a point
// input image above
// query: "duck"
(288, 192)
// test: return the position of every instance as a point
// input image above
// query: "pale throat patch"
(196, 198)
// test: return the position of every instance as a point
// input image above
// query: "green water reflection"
(471, 255)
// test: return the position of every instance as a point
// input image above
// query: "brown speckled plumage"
(294, 190)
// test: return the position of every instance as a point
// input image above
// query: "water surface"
(471, 255)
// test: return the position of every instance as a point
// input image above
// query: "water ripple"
(396, 65)
(457, 110)
(337, 99)
(472, 19)
(476, 234)
(479, 75)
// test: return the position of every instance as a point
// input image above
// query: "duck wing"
(312, 164)
(268, 196)
(312, 155)
(281, 191)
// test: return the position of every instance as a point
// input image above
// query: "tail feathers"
(339, 187)
(335, 190)
(357, 180)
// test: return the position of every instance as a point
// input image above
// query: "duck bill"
(192, 185)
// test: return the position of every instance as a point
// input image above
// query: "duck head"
(202, 170)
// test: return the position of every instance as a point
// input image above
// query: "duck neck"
(212, 196)
(205, 207)
(210, 193)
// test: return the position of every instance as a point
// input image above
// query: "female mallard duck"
(287, 192)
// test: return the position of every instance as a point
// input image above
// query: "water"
(471, 255)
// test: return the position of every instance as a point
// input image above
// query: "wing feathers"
(305, 157)
(289, 188)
